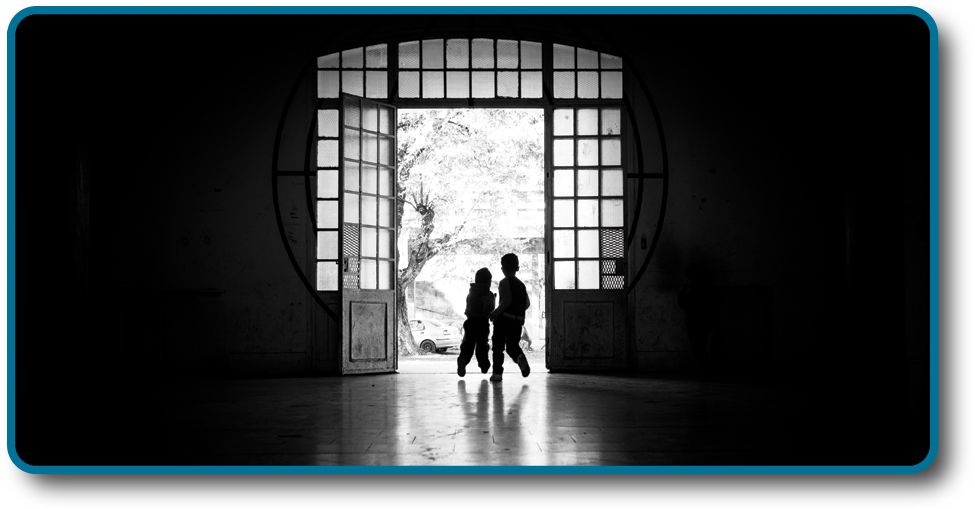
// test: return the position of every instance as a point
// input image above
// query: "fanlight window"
(470, 68)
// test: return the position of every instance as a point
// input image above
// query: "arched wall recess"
(536, 96)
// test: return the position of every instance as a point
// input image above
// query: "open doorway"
(471, 186)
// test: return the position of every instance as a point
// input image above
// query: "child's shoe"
(496, 377)
(461, 368)
(523, 364)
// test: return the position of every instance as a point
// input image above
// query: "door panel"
(585, 234)
(368, 155)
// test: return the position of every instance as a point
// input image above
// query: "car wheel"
(428, 346)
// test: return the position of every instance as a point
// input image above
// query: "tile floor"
(436, 418)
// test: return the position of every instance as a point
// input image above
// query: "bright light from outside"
(472, 183)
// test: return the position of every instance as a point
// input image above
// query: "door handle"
(345, 264)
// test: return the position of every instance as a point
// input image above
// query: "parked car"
(434, 335)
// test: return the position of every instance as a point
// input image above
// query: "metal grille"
(612, 243)
(350, 249)
(612, 282)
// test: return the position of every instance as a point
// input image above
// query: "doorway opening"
(471, 188)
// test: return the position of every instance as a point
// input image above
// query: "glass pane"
(588, 184)
(433, 85)
(352, 58)
(612, 182)
(457, 54)
(562, 152)
(588, 244)
(508, 84)
(612, 213)
(385, 212)
(385, 119)
(370, 117)
(612, 85)
(329, 61)
(385, 281)
(588, 212)
(507, 54)
(385, 181)
(531, 84)
(376, 84)
(351, 175)
(409, 84)
(531, 55)
(328, 214)
(386, 150)
(370, 147)
(369, 210)
(433, 54)
(563, 213)
(613, 283)
(458, 84)
(589, 152)
(376, 56)
(351, 144)
(328, 183)
(409, 55)
(611, 121)
(562, 183)
(565, 85)
(352, 83)
(610, 62)
(328, 276)
(385, 243)
(328, 245)
(367, 274)
(328, 123)
(351, 206)
(565, 57)
(328, 153)
(588, 85)
(483, 54)
(588, 121)
(328, 84)
(370, 178)
(562, 122)
(588, 274)
(367, 242)
(564, 243)
(352, 113)
(587, 59)
(483, 85)
(565, 275)
(611, 152)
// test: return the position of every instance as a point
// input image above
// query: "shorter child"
(480, 304)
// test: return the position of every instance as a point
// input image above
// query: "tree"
(459, 171)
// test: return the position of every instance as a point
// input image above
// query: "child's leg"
(471, 335)
(497, 346)
(481, 352)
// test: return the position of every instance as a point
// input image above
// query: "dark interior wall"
(797, 152)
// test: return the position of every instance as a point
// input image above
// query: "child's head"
(483, 275)
(509, 263)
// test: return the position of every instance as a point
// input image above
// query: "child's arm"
(488, 304)
(505, 293)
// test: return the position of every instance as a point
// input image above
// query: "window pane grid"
(587, 187)
(355, 71)
(470, 68)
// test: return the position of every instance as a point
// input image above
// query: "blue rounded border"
(866, 469)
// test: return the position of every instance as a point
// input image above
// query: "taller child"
(509, 318)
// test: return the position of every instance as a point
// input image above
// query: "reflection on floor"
(545, 419)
